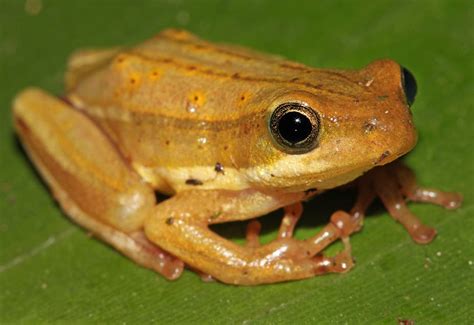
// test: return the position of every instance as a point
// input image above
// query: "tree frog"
(229, 134)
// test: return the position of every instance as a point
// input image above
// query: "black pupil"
(294, 127)
(409, 86)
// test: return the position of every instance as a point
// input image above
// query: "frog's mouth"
(323, 179)
(346, 174)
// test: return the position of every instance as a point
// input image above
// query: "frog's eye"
(409, 85)
(295, 127)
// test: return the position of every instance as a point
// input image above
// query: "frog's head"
(352, 122)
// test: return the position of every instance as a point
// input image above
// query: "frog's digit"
(410, 189)
(293, 213)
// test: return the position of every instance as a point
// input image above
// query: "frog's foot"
(395, 184)
(134, 245)
(156, 258)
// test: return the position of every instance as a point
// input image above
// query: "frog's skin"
(191, 119)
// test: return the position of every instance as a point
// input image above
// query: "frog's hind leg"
(394, 184)
(89, 179)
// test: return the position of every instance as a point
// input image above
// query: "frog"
(226, 134)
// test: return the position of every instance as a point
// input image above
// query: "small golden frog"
(230, 134)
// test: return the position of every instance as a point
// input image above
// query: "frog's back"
(176, 71)
(177, 101)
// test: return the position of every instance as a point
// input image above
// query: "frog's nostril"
(409, 86)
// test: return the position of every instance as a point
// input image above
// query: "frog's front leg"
(89, 178)
(394, 184)
(180, 225)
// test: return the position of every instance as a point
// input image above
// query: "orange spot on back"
(197, 98)
(134, 78)
(155, 74)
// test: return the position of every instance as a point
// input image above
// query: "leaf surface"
(51, 271)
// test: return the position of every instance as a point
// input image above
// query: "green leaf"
(52, 271)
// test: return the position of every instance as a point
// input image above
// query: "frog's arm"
(99, 191)
(180, 226)
(89, 179)
(394, 184)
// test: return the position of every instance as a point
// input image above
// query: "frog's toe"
(449, 200)
(205, 277)
(453, 200)
(253, 233)
(346, 223)
(413, 192)
(423, 234)
(290, 219)
(341, 263)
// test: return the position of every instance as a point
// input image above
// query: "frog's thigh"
(86, 174)
(180, 226)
